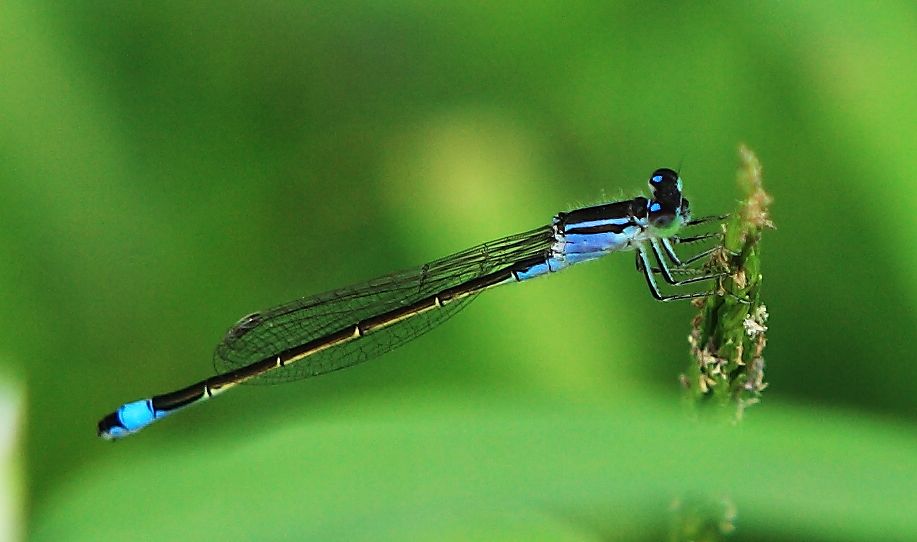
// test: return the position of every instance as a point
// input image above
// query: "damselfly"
(338, 329)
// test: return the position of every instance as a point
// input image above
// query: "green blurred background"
(168, 167)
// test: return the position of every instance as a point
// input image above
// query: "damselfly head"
(668, 210)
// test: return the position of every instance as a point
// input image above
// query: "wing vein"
(267, 333)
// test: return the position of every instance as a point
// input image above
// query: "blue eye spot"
(655, 206)
(656, 179)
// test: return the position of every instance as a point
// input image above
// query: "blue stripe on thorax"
(590, 233)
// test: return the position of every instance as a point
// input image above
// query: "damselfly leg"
(705, 219)
(644, 265)
(679, 274)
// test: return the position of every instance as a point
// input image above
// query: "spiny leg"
(675, 271)
(683, 240)
(645, 266)
(673, 256)
(705, 219)
(667, 274)
(667, 243)
(679, 240)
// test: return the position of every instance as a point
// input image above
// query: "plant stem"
(729, 333)
(727, 341)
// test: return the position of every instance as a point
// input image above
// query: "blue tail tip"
(128, 419)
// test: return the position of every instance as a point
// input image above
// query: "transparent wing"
(267, 333)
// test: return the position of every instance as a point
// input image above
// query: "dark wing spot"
(243, 326)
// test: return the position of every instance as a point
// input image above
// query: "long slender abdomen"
(134, 416)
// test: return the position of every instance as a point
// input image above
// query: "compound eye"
(659, 217)
(662, 177)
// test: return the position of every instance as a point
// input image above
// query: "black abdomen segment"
(216, 384)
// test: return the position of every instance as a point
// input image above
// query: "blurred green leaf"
(12, 475)
(488, 469)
